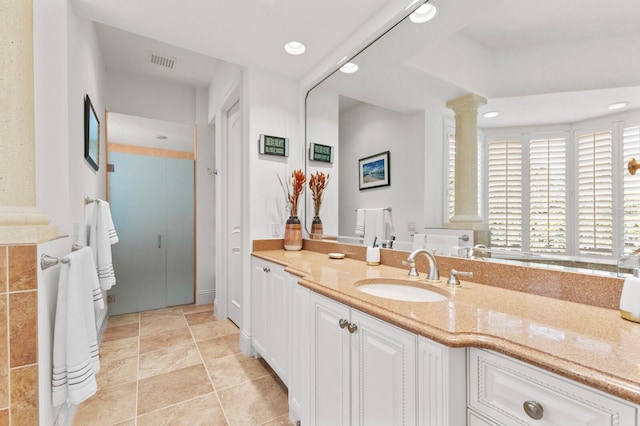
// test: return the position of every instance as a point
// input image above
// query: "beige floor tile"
(130, 422)
(121, 332)
(235, 369)
(124, 319)
(200, 318)
(211, 330)
(108, 406)
(160, 314)
(255, 402)
(118, 349)
(203, 411)
(280, 421)
(165, 339)
(167, 389)
(117, 371)
(219, 347)
(156, 326)
(168, 359)
(192, 309)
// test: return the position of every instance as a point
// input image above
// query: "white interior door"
(234, 214)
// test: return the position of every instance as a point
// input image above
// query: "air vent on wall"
(162, 60)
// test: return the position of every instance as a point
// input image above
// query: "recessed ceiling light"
(349, 68)
(295, 48)
(491, 114)
(424, 13)
(618, 105)
(161, 137)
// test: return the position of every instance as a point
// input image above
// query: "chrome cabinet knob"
(343, 323)
(352, 328)
(533, 409)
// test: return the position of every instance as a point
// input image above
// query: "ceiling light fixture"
(349, 68)
(491, 114)
(295, 48)
(424, 13)
(618, 105)
(344, 58)
(411, 4)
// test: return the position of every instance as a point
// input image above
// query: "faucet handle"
(453, 278)
(412, 268)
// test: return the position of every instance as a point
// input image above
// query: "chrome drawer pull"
(343, 323)
(352, 328)
(533, 409)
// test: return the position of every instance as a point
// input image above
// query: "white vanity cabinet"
(363, 370)
(504, 391)
(271, 290)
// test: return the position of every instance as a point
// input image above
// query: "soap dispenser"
(630, 297)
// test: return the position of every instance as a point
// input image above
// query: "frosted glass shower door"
(152, 208)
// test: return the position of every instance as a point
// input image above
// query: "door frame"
(233, 95)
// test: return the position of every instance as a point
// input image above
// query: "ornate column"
(20, 221)
(466, 113)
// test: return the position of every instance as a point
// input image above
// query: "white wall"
(150, 97)
(205, 207)
(67, 66)
(322, 127)
(367, 130)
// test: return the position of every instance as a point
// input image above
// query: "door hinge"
(111, 168)
(111, 298)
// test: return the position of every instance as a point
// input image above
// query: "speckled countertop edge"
(588, 344)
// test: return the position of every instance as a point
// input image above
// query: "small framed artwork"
(374, 171)
(91, 135)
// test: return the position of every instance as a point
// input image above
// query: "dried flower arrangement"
(293, 188)
(317, 183)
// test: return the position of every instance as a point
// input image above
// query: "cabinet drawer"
(500, 387)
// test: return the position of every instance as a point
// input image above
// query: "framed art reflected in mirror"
(91, 135)
(374, 171)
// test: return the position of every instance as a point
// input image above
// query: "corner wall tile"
(4, 361)
(3, 269)
(23, 272)
(23, 328)
(24, 395)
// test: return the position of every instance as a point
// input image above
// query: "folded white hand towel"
(360, 222)
(418, 241)
(374, 226)
(101, 236)
(75, 346)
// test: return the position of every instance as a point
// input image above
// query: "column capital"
(467, 104)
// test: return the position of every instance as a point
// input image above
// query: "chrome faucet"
(432, 271)
(471, 251)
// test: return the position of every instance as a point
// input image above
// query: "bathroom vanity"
(482, 356)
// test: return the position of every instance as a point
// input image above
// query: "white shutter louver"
(631, 198)
(547, 192)
(451, 188)
(505, 193)
(595, 194)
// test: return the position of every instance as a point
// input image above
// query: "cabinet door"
(442, 384)
(383, 375)
(330, 363)
(299, 380)
(259, 303)
(279, 322)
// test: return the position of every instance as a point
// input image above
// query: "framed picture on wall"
(374, 171)
(91, 135)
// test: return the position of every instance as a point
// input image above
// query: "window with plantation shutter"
(595, 193)
(547, 195)
(451, 187)
(631, 197)
(504, 196)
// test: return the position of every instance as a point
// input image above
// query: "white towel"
(101, 236)
(418, 241)
(630, 297)
(360, 222)
(374, 226)
(76, 359)
(389, 229)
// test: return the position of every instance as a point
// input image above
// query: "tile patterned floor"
(180, 366)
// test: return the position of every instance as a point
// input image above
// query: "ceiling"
(249, 33)
(543, 61)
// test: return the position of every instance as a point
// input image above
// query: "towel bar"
(47, 261)
(386, 208)
(88, 200)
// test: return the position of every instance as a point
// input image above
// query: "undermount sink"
(398, 290)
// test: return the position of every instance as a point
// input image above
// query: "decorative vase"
(293, 234)
(316, 228)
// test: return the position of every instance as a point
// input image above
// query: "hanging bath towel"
(101, 236)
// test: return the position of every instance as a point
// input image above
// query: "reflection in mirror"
(551, 181)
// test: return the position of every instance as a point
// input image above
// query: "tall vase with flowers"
(293, 187)
(318, 181)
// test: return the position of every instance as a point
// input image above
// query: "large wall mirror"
(551, 69)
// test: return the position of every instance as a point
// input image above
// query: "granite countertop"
(588, 344)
